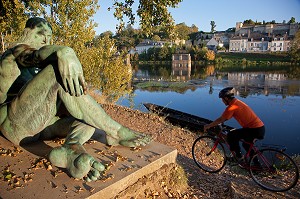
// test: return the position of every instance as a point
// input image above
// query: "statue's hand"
(71, 72)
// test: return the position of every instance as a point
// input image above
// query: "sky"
(225, 13)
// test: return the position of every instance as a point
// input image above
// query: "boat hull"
(182, 119)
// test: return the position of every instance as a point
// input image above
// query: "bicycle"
(269, 167)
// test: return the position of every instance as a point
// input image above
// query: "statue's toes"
(93, 175)
(129, 143)
(98, 166)
(136, 142)
(81, 166)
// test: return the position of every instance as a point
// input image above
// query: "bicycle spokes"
(208, 154)
(276, 172)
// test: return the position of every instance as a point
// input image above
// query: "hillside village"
(250, 38)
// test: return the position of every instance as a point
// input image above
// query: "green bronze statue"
(37, 81)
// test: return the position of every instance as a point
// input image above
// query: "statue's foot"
(74, 158)
(128, 138)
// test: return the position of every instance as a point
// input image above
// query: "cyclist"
(252, 126)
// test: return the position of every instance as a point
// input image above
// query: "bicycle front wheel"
(209, 154)
(274, 170)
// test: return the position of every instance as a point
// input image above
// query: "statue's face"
(41, 35)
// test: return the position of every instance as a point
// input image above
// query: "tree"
(248, 22)
(163, 53)
(213, 26)
(295, 48)
(292, 20)
(107, 33)
(156, 38)
(151, 14)
(71, 21)
(107, 71)
(209, 55)
(183, 31)
(124, 38)
(13, 16)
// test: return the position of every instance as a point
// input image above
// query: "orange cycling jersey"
(243, 114)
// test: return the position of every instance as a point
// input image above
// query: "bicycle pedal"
(243, 165)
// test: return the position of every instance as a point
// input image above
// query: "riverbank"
(231, 182)
(236, 58)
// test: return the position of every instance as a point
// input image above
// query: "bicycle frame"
(221, 138)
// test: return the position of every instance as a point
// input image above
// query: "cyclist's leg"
(233, 138)
(254, 133)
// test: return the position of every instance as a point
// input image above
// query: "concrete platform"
(31, 176)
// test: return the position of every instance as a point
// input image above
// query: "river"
(272, 92)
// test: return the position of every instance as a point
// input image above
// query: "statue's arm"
(9, 72)
(64, 58)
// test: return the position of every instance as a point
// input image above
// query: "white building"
(145, 45)
(238, 44)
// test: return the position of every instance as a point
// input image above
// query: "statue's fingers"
(95, 173)
(92, 177)
(82, 83)
(98, 166)
(65, 84)
(88, 179)
(77, 88)
(128, 143)
(71, 86)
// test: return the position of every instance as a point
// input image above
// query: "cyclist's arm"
(215, 123)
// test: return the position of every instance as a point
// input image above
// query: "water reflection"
(278, 80)
(181, 66)
(263, 83)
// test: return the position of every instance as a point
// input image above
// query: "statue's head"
(35, 21)
(37, 32)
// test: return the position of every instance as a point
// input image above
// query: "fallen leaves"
(41, 163)
(10, 152)
(15, 181)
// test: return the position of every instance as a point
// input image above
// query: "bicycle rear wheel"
(209, 154)
(274, 170)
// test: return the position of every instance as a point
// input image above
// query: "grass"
(161, 84)
(272, 57)
(178, 178)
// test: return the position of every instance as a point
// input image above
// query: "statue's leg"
(58, 128)
(86, 109)
(33, 109)
(73, 156)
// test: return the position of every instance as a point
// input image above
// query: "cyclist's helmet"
(227, 92)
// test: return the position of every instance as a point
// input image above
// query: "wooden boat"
(185, 120)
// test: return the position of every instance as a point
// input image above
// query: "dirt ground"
(184, 179)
